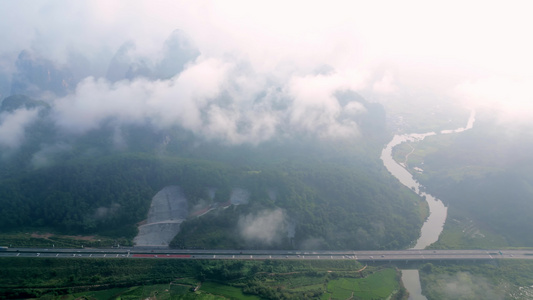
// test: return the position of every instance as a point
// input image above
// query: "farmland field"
(225, 290)
(377, 285)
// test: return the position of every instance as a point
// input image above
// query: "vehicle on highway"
(3, 248)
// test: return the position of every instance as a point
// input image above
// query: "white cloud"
(338, 33)
(266, 227)
(315, 108)
(276, 46)
(463, 285)
(164, 103)
(13, 125)
(386, 84)
(512, 100)
(45, 155)
(220, 100)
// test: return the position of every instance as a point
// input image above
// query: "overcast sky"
(474, 52)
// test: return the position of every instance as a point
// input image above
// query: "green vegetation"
(158, 291)
(107, 195)
(40, 237)
(379, 285)
(330, 205)
(225, 290)
(483, 175)
(508, 279)
(350, 204)
(341, 288)
(498, 204)
(334, 192)
(419, 152)
(463, 233)
(193, 279)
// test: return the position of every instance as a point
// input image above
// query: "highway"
(389, 256)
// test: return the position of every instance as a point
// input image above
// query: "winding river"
(434, 224)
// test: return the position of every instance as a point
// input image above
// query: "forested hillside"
(106, 195)
(330, 206)
(309, 192)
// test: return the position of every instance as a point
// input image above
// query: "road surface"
(392, 255)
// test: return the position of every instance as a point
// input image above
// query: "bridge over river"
(410, 255)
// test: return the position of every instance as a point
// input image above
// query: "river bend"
(432, 228)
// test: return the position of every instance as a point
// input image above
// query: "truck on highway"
(3, 248)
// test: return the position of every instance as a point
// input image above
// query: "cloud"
(196, 99)
(47, 153)
(463, 285)
(161, 102)
(106, 212)
(316, 109)
(510, 99)
(303, 34)
(386, 84)
(220, 100)
(266, 227)
(255, 75)
(13, 125)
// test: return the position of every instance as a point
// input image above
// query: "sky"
(295, 54)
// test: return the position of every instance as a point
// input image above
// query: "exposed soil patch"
(41, 235)
(90, 238)
(47, 236)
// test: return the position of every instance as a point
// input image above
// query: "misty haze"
(266, 150)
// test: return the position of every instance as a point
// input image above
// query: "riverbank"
(434, 224)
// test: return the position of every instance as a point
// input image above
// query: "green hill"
(312, 192)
